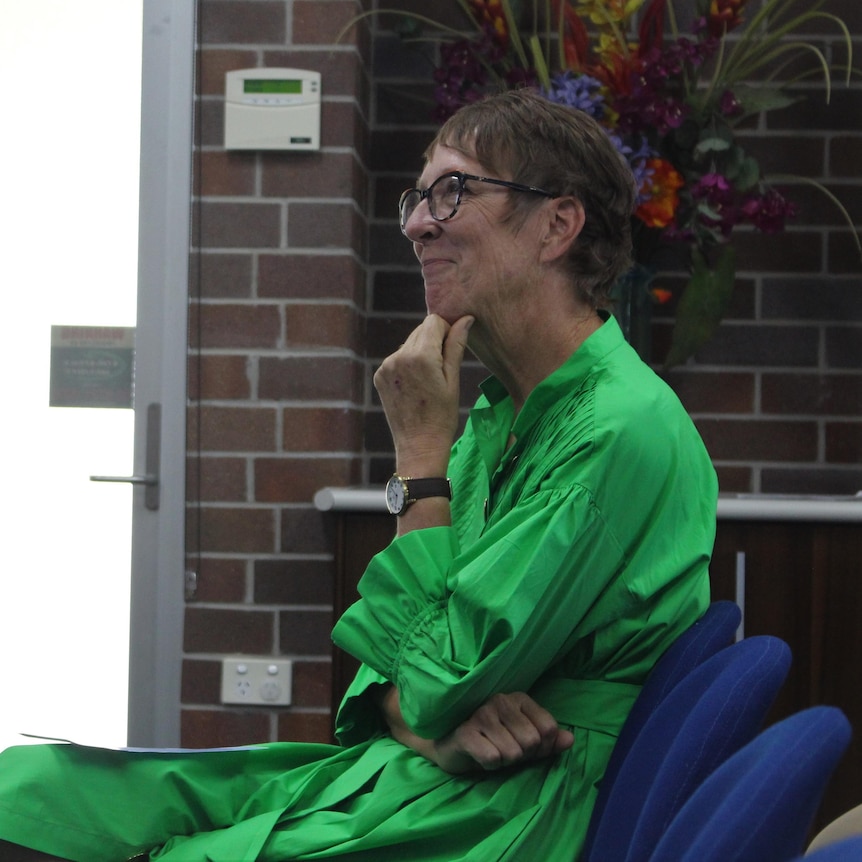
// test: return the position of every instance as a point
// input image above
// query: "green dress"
(576, 556)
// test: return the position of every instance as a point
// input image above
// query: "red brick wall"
(277, 381)
(301, 282)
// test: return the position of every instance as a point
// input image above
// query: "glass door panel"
(70, 86)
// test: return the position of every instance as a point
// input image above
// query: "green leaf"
(705, 210)
(748, 174)
(756, 99)
(734, 159)
(710, 145)
(408, 28)
(702, 305)
(539, 64)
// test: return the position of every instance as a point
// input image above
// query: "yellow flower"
(609, 45)
(490, 13)
(611, 18)
(608, 11)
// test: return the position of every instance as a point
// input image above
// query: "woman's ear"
(566, 218)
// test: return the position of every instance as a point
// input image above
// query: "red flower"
(575, 37)
(651, 29)
(724, 16)
(660, 190)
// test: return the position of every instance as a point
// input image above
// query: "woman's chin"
(435, 303)
(449, 317)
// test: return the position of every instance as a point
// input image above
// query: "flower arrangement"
(671, 100)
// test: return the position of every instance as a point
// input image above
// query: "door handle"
(150, 478)
(132, 480)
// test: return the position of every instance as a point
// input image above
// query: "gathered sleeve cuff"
(402, 586)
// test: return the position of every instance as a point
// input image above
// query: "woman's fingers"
(506, 730)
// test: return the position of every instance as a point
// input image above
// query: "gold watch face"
(395, 495)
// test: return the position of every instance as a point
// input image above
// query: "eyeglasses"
(445, 193)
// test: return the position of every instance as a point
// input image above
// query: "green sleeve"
(358, 718)
(450, 629)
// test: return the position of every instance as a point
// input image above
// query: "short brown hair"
(522, 136)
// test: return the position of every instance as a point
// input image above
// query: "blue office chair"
(759, 805)
(712, 632)
(710, 714)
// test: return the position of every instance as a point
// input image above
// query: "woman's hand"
(419, 387)
(508, 729)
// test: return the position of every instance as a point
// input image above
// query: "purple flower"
(769, 211)
(729, 105)
(713, 187)
(637, 152)
(650, 102)
(578, 91)
(716, 192)
(642, 109)
(459, 78)
(584, 93)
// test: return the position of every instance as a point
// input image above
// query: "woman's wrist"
(422, 466)
(425, 513)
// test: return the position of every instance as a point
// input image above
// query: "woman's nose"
(420, 224)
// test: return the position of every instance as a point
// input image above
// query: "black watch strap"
(419, 489)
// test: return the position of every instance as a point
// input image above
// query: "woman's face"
(474, 263)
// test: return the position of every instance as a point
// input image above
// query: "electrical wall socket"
(256, 681)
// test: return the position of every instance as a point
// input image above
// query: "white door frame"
(158, 544)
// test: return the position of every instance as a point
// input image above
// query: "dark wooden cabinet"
(802, 582)
(360, 535)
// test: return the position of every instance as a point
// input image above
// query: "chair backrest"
(712, 632)
(760, 803)
(706, 717)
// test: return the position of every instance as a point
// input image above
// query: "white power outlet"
(256, 681)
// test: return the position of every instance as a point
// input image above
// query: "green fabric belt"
(592, 704)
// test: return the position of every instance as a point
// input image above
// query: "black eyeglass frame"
(462, 179)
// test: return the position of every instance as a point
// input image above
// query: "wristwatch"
(401, 491)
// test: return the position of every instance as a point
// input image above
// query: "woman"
(541, 565)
